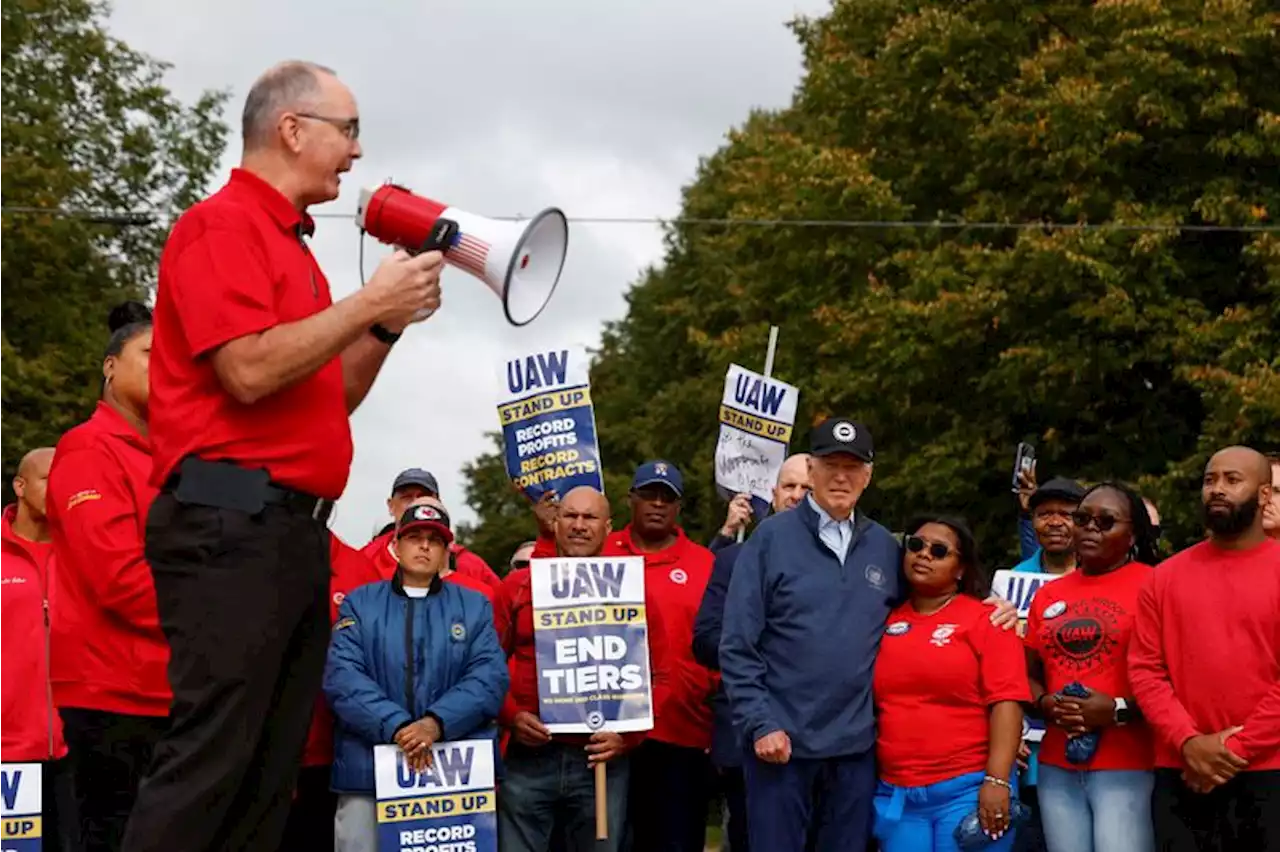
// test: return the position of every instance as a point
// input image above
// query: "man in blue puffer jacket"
(451, 688)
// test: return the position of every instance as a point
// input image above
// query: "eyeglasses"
(937, 549)
(350, 127)
(1104, 523)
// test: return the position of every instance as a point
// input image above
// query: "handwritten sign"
(591, 640)
(450, 807)
(549, 423)
(757, 415)
(21, 806)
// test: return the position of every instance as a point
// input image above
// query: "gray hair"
(284, 87)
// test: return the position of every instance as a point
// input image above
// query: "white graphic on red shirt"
(678, 576)
(338, 598)
(942, 634)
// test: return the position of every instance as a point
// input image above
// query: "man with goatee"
(1204, 663)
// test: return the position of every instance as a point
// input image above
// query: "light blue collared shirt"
(836, 535)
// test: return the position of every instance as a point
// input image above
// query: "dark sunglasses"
(1104, 523)
(937, 549)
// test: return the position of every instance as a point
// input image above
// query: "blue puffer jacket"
(458, 675)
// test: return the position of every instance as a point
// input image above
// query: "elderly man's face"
(838, 482)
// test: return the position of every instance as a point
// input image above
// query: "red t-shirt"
(1205, 654)
(235, 264)
(1080, 625)
(936, 676)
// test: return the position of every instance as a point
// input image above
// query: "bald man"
(254, 371)
(726, 749)
(30, 727)
(1204, 663)
(548, 790)
(1271, 510)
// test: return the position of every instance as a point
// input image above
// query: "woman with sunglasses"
(948, 689)
(1094, 796)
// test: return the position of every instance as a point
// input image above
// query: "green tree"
(88, 125)
(1120, 350)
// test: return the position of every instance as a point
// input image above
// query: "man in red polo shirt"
(671, 774)
(254, 372)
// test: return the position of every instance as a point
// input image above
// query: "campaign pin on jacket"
(898, 628)
(1055, 609)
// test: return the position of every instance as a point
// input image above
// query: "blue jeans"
(552, 786)
(1096, 811)
(922, 819)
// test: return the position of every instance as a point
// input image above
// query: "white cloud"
(503, 108)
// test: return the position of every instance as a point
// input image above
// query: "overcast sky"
(500, 107)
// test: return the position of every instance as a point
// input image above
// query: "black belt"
(226, 485)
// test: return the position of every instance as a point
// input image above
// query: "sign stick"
(768, 373)
(602, 802)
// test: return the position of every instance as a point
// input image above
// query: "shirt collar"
(288, 217)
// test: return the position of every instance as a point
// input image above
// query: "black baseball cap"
(419, 477)
(1058, 488)
(425, 516)
(842, 435)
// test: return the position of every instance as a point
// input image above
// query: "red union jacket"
(470, 570)
(349, 569)
(108, 651)
(30, 728)
(674, 582)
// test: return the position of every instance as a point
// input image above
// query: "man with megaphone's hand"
(254, 371)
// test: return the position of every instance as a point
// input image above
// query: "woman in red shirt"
(109, 656)
(948, 686)
(1096, 795)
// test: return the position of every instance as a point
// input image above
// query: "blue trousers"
(922, 819)
(1097, 811)
(824, 801)
(550, 791)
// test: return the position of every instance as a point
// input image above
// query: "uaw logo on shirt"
(898, 628)
(678, 576)
(942, 635)
(338, 598)
(877, 577)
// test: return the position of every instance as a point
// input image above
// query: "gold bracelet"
(999, 782)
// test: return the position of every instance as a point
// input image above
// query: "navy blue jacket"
(726, 747)
(801, 632)
(458, 674)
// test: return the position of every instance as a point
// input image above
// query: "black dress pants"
(310, 825)
(243, 601)
(669, 797)
(59, 822)
(109, 753)
(1240, 816)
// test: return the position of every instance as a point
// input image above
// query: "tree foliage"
(1121, 351)
(88, 125)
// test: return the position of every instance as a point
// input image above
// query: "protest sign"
(591, 639)
(1019, 587)
(548, 422)
(21, 805)
(757, 414)
(449, 807)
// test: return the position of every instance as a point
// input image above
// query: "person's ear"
(19, 486)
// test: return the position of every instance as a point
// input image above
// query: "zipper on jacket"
(409, 613)
(48, 679)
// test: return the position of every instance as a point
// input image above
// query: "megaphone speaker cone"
(520, 262)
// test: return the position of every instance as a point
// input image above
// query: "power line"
(145, 218)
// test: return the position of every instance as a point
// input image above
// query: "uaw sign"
(20, 807)
(449, 807)
(1019, 588)
(757, 414)
(549, 423)
(591, 640)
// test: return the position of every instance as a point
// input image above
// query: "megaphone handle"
(441, 238)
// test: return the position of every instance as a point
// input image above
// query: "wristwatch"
(383, 333)
(1123, 714)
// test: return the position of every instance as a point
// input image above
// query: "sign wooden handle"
(602, 804)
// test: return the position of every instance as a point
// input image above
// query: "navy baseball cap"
(424, 516)
(419, 477)
(659, 472)
(842, 435)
